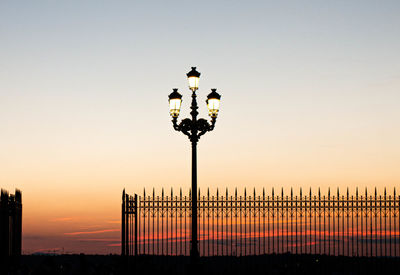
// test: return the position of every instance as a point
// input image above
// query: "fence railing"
(10, 223)
(349, 225)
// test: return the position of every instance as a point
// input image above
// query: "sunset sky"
(310, 98)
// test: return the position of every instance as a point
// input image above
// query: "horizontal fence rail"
(233, 225)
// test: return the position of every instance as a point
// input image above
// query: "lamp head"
(212, 101)
(193, 78)
(175, 102)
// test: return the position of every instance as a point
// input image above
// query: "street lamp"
(194, 128)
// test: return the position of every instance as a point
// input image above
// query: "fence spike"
(263, 192)
(366, 192)
(208, 192)
(310, 192)
(226, 192)
(217, 192)
(190, 193)
(245, 192)
(180, 192)
(319, 193)
(394, 192)
(123, 194)
(172, 192)
(254, 191)
(272, 192)
(235, 192)
(347, 192)
(162, 192)
(338, 195)
(301, 192)
(329, 192)
(356, 192)
(144, 192)
(375, 192)
(385, 192)
(282, 192)
(199, 192)
(153, 193)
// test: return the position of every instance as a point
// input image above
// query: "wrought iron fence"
(350, 225)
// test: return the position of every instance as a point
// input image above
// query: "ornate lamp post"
(194, 128)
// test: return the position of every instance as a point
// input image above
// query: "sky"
(310, 98)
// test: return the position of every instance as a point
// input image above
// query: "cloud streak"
(65, 219)
(91, 232)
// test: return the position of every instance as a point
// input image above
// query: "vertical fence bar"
(343, 223)
(393, 212)
(334, 227)
(153, 218)
(218, 224)
(148, 224)
(253, 234)
(398, 224)
(167, 210)
(232, 213)
(273, 222)
(282, 220)
(390, 226)
(245, 223)
(277, 223)
(291, 221)
(137, 213)
(394, 222)
(213, 225)
(236, 223)
(380, 226)
(162, 222)
(310, 220)
(259, 225)
(296, 222)
(269, 237)
(186, 213)
(329, 221)
(142, 222)
(301, 222)
(204, 224)
(361, 223)
(200, 233)
(123, 249)
(376, 223)
(158, 225)
(347, 220)
(307, 223)
(357, 217)
(225, 230)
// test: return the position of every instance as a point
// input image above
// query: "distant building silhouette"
(10, 223)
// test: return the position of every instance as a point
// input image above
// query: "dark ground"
(267, 264)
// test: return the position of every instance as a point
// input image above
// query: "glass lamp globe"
(175, 102)
(193, 78)
(213, 100)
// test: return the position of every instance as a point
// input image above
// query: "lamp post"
(194, 128)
